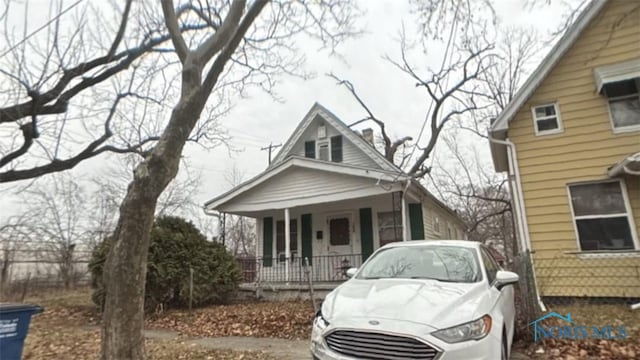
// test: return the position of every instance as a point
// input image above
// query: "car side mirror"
(504, 278)
(351, 272)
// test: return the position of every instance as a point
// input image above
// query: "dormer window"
(546, 119)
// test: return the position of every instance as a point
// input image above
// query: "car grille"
(372, 345)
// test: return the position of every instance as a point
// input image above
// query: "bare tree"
(56, 214)
(239, 231)
(14, 231)
(480, 196)
(234, 38)
(452, 92)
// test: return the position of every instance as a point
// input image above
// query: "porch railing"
(323, 268)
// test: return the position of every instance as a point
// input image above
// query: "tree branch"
(171, 21)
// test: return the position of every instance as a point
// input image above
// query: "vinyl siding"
(582, 152)
(429, 211)
(299, 186)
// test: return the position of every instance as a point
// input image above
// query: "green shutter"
(366, 233)
(336, 148)
(267, 238)
(416, 221)
(307, 237)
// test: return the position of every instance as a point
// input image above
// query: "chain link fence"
(596, 289)
(32, 271)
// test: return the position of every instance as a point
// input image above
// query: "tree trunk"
(126, 264)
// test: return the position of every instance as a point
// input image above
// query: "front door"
(339, 231)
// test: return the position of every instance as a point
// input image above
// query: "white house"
(339, 198)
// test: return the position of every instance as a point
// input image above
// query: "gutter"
(518, 199)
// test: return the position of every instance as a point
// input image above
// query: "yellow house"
(570, 142)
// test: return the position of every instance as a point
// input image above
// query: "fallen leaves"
(285, 320)
(605, 349)
(46, 341)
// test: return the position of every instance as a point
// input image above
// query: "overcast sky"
(258, 120)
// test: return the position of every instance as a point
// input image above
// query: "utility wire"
(41, 28)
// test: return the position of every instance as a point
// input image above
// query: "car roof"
(460, 243)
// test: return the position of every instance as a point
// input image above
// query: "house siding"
(429, 211)
(582, 152)
(298, 184)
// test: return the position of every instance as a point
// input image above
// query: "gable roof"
(342, 128)
(501, 124)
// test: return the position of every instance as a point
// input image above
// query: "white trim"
(553, 57)
(628, 213)
(557, 116)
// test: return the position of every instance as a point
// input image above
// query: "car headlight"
(320, 321)
(473, 330)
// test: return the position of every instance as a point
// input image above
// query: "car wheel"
(505, 347)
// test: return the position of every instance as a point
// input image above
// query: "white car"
(428, 300)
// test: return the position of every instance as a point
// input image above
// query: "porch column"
(287, 243)
(405, 221)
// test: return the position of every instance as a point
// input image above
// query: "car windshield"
(442, 263)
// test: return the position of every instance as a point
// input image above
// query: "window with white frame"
(389, 227)
(436, 224)
(546, 119)
(602, 219)
(624, 103)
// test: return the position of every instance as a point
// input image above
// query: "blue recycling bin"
(14, 326)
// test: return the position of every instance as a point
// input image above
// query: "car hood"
(426, 302)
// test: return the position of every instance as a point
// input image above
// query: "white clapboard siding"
(302, 185)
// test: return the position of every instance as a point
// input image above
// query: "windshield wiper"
(432, 278)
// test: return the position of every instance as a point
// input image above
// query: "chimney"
(367, 135)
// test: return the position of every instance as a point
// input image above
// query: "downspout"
(404, 212)
(518, 195)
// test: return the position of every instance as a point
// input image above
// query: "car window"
(444, 263)
(489, 264)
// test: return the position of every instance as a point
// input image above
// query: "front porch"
(318, 269)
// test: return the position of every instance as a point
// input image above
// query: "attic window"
(624, 104)
(322, 132)
(546, 119)
(310, 149)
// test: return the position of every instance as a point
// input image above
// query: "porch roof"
(355, 182)
(629, 165)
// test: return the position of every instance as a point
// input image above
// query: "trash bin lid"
(12, 307)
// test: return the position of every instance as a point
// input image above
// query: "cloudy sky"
(258, 120)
